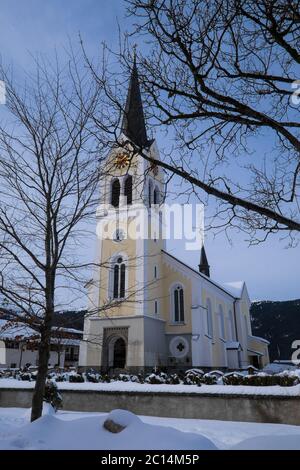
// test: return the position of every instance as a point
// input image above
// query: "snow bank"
(78, 430)
(52, 433)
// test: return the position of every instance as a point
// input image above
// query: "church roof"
(133, 124)
(236, 288)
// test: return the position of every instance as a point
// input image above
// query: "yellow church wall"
(169, 278)
(109, 250)
(155, 286)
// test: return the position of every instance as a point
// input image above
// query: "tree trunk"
(44, 347)
(39, 389)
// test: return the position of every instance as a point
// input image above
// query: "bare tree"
(222, 76)
(49, 172)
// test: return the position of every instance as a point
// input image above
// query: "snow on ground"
(78, 430)
(87, 432)
(150, 388)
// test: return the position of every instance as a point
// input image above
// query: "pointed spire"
(204, 266)
(133, 124)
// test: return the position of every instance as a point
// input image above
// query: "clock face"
(121, 160)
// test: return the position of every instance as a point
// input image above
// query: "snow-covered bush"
(92, 377)
(26, 376)
(173, 379)
(52, 395)
(261, 380)
(156, 378)
(209, 379)
(106, 378)
(76, 377)
(233, 379)
(193, 377)
(124, 377)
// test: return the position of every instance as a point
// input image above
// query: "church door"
(119, 354)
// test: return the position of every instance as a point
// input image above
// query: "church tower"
(125, 290)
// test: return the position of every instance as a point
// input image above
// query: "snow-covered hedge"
(190, 377)
(287, 379)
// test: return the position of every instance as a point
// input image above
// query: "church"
(147, 308)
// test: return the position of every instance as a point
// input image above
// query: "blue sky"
(271, 270)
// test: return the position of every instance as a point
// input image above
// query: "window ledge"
(175, 323)
(208, 336)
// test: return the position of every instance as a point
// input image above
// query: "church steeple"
(133, 124)
(204, 266)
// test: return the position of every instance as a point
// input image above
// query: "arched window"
(156, 195)
(119, 273)
(115, 193)
(128, 189)
(231, 325)
(246, 325)
(150, 190)
(221, 322)
(209, 321)
(178, 304)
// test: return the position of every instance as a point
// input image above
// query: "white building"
(19, 343)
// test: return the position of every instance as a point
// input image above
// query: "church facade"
(147, 308)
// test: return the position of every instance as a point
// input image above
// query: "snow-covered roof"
(67, 330)
(258, 338)
(235, 288)
(14, 331)
(233, 345)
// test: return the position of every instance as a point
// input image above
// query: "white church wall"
(156, 353)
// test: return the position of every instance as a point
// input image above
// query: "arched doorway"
(117, 353)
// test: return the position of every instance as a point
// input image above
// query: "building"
(147, 308)
(19, 346)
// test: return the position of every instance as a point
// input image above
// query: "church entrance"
(119, 357)
(114, 349)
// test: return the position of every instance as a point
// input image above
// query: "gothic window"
(128, 189)
(119, 274)
(155, 307)
(246, 325)
(118, 235)
(221, 322)
(209, 320)
(156, 196)
(231, 325)
(150, 190)
(115, 193)
(178, 304)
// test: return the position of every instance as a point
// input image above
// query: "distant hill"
(279, 323)
(69, 319)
